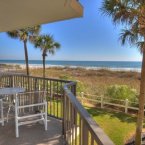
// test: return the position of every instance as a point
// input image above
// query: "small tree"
(24, 35)
(121, 92)
(47, 45)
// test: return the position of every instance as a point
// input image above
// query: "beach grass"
(93, 81)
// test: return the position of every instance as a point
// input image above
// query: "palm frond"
(140, 46)
(13, 34)
(25, 34)
(57, 45)
(35, 30)
(46, 43)
(128, 36)
(120, 10)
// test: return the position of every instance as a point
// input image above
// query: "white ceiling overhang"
(16, 14)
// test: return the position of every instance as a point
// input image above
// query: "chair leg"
(45, 115)
(16, 118)
(8, 113)
(2, 116)
(17, 129)
(11, 104)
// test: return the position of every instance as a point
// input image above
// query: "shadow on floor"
(33, 134)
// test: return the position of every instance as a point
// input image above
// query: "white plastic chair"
(30, 107)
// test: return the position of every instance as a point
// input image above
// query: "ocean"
(117, 65)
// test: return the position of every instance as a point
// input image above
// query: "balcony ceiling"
(16, 14)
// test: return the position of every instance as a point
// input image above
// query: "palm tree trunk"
(26, 56)
(141, 103)
(44, 71)
(43, 65)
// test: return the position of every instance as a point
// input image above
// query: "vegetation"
(25, 35)
(93, 81)
(8, 66)
(118, 126)
(121, 92)
(47, 45)
(80, 85)
(131, 13)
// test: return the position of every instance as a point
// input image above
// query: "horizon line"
(70, 60)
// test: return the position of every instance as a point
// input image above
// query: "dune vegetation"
(93, 81)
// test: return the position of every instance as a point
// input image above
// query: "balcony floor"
(33, 134)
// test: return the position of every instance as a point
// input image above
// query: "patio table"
(5, 92)
(10, 91)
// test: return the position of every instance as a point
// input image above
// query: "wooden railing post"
(12, 81)
(102, 103)
(85, 134)
(73, 113)
(64, 117)
(35, 84)
(82, 97)
(126, 106)
(73, 89)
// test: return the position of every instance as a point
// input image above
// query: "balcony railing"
(78, 128)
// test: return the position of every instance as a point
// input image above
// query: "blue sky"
(93, 37)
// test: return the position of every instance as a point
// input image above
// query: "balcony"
(68, 122)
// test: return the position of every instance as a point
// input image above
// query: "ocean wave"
(85, 67)
(35, 66)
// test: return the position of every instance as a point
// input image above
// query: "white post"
(102, 103)
(82, 97)
(16, 117)
(39, 87)
(126, 106)
(45, 115)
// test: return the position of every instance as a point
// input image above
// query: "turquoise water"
(93, 64)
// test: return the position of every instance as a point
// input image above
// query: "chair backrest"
(30, 98)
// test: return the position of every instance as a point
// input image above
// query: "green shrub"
(121, 92)
(80, 85)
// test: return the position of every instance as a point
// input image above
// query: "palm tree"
(47, 45)
(24, 35)
(131, 13)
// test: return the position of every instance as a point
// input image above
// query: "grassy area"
(118, 126)
(55, 108)
(9, 66)
(93, 81)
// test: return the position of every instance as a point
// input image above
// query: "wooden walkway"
(32, 134)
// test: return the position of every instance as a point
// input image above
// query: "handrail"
(54, 88)
(78, 127)
(38, 77)
(98, 134)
